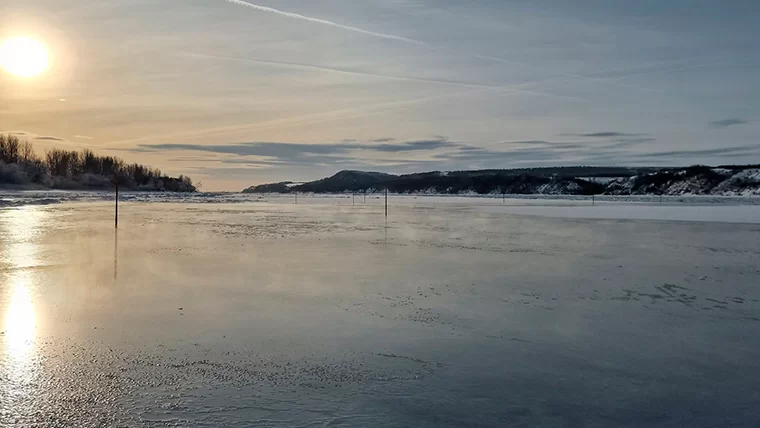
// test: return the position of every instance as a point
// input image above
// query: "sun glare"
(20, 323)
(23, 56)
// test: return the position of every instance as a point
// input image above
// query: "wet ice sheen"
(463, 312)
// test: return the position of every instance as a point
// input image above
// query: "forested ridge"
(573, 180)
(21, 166)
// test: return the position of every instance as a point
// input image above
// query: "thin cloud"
(422, 43)
(83, 137)
(528, 142)
(278, 149)
(311, 118)
(357, 111)
(345, 113)
(621, 73)
(278, 153)
(548, 144)
(628, 142)
(411, 146)
(442, 152)
(670, 67)
(325, 22)
(720, 152)
(725, 123)
(50, 138)
(343, 71)
(605, 134)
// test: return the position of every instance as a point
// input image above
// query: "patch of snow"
(602, 180)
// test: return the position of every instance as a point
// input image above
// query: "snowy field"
(232, 310)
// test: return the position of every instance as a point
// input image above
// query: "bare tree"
(27, 153)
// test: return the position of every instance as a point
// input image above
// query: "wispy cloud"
(343, 71)
(422, 43)
(315, 118)
(325, 22)
(411, 146)
(50, 138)
(358, 154)
(605, 134)
(294, 150)
(685, 154)
(344, 113)
(492, 58)
(83, 137)
(440, 152)
(725, 123)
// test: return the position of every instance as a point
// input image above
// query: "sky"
(235, 93)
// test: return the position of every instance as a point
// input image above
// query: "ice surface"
(456, 312)
(719, 213)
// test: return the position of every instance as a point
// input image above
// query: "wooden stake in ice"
(116, 206)
(386, 202)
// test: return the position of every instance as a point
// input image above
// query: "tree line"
(69, 169)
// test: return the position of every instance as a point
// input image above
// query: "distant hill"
(577, 180)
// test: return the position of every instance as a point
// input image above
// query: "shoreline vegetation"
(22, 169)
(728, 180)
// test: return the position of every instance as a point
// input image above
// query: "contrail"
(671, 69)
(298, 65)
(563, 74)
(512, 88)
(354, 112)
(347, 112)
(325, 22)
(421, 43)
(308, 118)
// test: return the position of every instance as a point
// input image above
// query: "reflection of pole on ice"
(115, 254)
(116, 227)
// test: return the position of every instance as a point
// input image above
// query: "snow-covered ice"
(256, 311)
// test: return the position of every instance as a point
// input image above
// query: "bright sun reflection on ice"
(20, 323)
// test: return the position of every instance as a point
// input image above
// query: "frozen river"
(458, 312)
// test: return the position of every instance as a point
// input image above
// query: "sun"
(23, 56)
